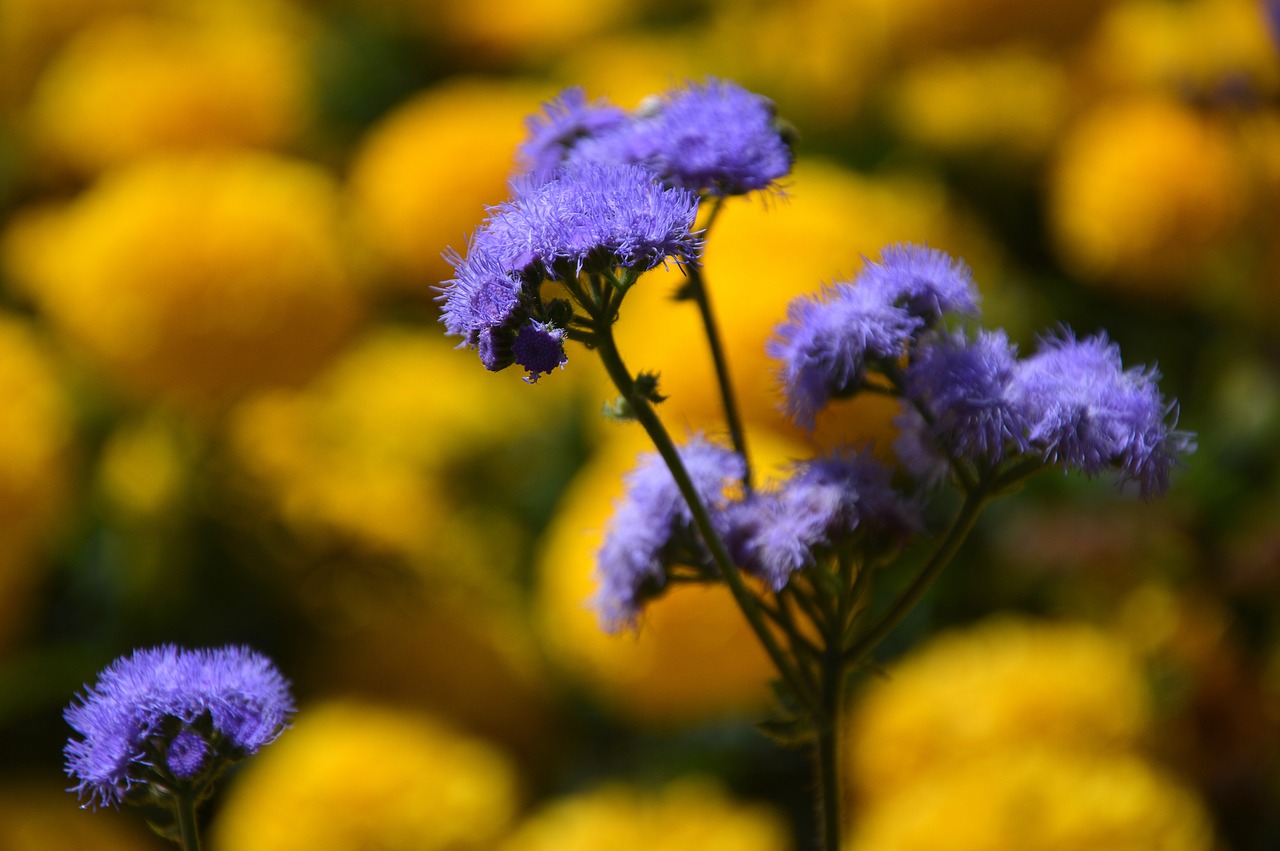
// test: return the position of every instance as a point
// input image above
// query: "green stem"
(974, 502)
(697, 289)
(607, 348)
(828, 750)
(184, 809)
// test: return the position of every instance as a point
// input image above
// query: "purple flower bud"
(539, 348)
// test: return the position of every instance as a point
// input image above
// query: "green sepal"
(647, 386)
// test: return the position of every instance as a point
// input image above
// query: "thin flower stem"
(607, 348)
(184, 809)
(974, 502)
(696, 288)
(828, 750)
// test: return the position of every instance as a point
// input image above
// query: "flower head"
(828, 341)
(964, 385)
(652, 526)
(1086, 411)
(565, 120)
(167, 710)
(715, 138)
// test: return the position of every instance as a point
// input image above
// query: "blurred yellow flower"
(34, 464)
(362, 455)
(143, 467)
(1001, 686)
(1142, 193)
(693, 655)
(35, 817)
(351, 776)
(1032, 798)
(763, 252)
(918, 27)
(422, 177)
(1009, 101)
(502, 29)
(686, 814)
(197, 278)
(1209, 47)
(220, 74)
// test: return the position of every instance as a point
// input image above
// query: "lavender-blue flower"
(564, 122)
(651, 517)
(160, 698)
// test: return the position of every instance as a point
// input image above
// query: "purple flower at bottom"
(1086, 411)
(539, 348)
(190, 710)
(651, 518)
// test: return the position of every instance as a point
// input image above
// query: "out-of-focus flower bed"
(230, 415)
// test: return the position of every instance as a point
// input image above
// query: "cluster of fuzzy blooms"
(608, 194)
(973, 412)
(603, 192)
(167, 720)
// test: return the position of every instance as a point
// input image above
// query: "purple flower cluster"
(167, 712)
(714, 138)
(777, 532)
(652, 527)
(772, 534)
(968, 397)
(591, 216)
(828, 342)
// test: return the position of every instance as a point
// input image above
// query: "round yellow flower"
(194, 279)
(133, 85)
(34, 464)
(1032, 798)
(422, 177)
(1000, 686)
(1142, 194)
(1203, 46)
(693, 656)
(351, 776)
(1010, 101)
(686, 814)
(363, 455)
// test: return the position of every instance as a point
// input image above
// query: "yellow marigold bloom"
(1010, 101)
(1142, 193)
(1034, 798)
(761, 253)
(1001, 686)
(693, 656)
(34, 817)
(222, 74)
(351, 776)
(194, 279)
(1205, 46)
(362, 454)
(34, 464)
(686, 814)
(422, 177)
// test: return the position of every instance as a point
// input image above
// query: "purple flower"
(715, 138)
(963, 385)
(828, 341)
(167, 709)
(825, 502)
(1085, 411)
(591, 217)
(565, 120)
(539, 348)
(652, 526)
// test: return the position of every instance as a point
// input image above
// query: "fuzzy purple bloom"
(151, 707)
(714, 138)
(777, 532)
(566, 120)
(652, 522)
(539, 348)
(1086, 411)
(964, 386)
(828, 341)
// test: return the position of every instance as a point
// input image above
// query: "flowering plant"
(162, 724)
(608, 195)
